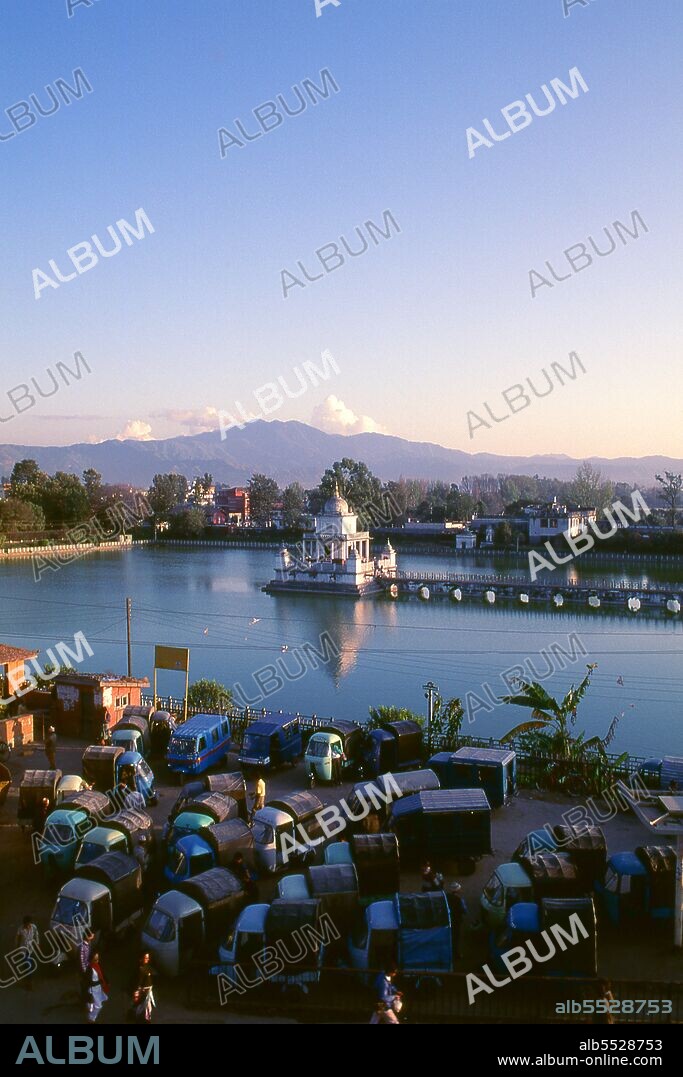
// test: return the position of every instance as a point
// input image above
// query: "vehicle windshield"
(318, 748)
(144, 771)
(256, 742)
(68, 909)
(59, 834)
(160, 926)
(88, 851)
(183, 747)
(263, 833)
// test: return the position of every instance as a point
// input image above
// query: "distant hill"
(290, 451)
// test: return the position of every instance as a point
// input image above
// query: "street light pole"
(430, 688)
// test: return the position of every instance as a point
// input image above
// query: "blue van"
(199, 743)
(271, 742)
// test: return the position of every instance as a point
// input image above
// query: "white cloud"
(195, 420)
(135, 430)
(334, 417)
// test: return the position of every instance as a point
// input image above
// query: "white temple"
(334, 556)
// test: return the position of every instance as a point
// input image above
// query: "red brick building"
(13, 668)
(84, 702)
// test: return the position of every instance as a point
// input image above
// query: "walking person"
(383, 1015)
(51, 747)
(85, 948)
(387, 994)
(27, 937)
(458, 911)
(97, 989)
(258, 796)
(143, 997)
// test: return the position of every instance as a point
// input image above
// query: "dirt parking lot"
(49, 996)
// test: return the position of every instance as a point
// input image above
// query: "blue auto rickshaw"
(200, 813)
(66, 827)
(623, 893)
(211, 846)
(271, 742)
(132, 770)
(394, 746)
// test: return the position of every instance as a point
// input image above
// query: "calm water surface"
(211, 601)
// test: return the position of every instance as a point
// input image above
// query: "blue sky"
(425, 327)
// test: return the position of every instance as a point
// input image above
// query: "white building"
(334, 556)
(546, 521)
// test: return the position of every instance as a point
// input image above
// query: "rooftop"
(14, 654)
(100, 678)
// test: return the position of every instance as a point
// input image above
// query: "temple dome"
(336, 506)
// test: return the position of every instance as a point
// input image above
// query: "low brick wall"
(18, 731)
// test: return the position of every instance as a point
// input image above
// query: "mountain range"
(293, 451)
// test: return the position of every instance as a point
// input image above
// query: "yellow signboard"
(177, 658)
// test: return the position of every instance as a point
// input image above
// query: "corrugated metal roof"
(442, 800)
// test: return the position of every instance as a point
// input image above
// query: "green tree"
(355, 483)
(293, 503)
(28, 482)
(18, 515)
(589, 488)
(670, 484)
(165, 493)
(191, 523)
(65, 501)
(210, 696)
(92, 481)
(263, 496)
(503, 534)
(553, 719)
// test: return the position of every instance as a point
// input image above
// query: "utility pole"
(129, 606)
(430, 688)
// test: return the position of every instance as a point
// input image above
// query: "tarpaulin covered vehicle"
(443, 824)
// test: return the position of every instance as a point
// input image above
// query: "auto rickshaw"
(378, 868)
(133, 735)
(162, 726)
(338, 852)
(36, 785)
(370, 801)
(335, 886)
(293, 930)
(129, 831)
(554, 875)
(230, 784)
(246, 939)
(587, 847)
(334, 748)
(204, 811)
(212, 846)
(187, 921)
(70, 783)
(66, 826)
(287, 831)
(106, 765)
(395, 746)
(536, 841)
(508, 886)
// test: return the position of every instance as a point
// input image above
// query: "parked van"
(271, 742)
(201, 742)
